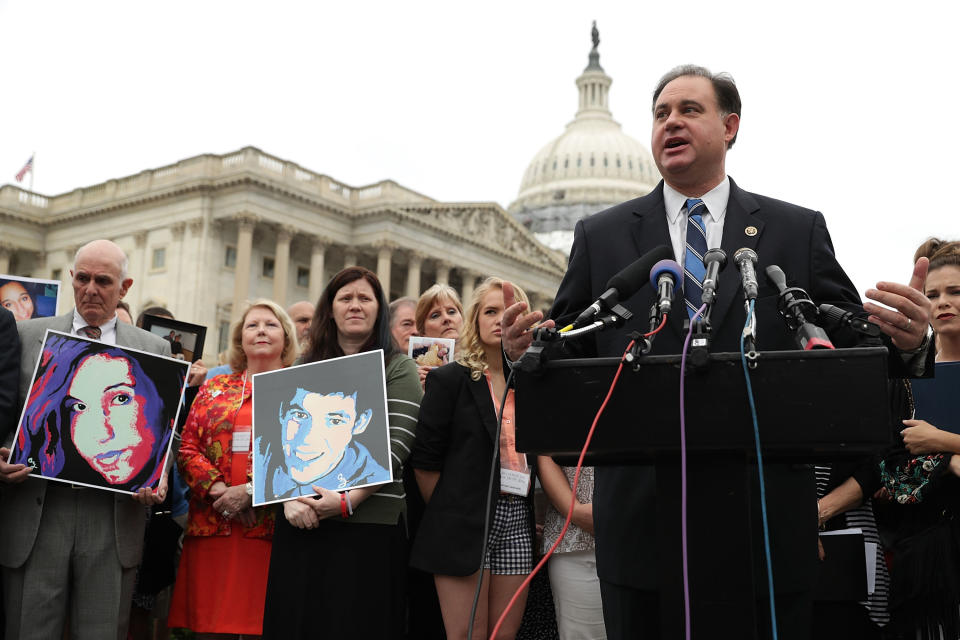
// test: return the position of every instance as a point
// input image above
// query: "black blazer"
(796, 239)
(9, 374)
(455, 436)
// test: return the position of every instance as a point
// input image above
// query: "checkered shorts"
(510, 549)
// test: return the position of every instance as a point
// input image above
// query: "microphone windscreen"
(717, 255)
(777, 277)
(745, 254)
(666, 266)
(635, 274)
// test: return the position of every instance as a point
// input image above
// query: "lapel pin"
(750, 231)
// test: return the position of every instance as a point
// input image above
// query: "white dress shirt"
(108, 330)
(676, 206)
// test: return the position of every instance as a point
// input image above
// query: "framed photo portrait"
(431, 352)
(99, 415)
(29, 298)
(324, 424)
(186, 339)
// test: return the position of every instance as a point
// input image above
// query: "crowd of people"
(403, 559)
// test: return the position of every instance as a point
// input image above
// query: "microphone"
(664, 277)
(746, 260)
(714, 260)
(795, 306)
(836, 317)
(624, 284)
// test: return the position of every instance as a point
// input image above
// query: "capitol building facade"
(210, 232)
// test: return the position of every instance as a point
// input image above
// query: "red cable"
(576, 482)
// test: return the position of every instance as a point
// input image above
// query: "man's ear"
(125, 286)
(731, 124)
(362, 421)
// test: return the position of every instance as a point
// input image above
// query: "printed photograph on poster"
(324, 424)
(186, 340)
(99, 415)
(29, 298)
(431, 352)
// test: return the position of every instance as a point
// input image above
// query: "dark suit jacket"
(792, 237)
(9, 370)
(455, 436)
(23, 503)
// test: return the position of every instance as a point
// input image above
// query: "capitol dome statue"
(591, 166)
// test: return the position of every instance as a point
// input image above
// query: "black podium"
(812, 406)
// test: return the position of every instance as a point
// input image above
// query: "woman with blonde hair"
(452, 457)
(222, 579)
(439, 314)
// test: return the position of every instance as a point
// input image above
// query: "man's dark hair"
(725, 89)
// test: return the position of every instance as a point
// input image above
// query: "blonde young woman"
(452, 457)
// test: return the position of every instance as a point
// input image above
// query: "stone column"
(384, 257)
(175, 266)
(6, 252)
(318, 255)
(414, 264)
(469, 278)
(241, 279)
(42, 269)
(281, 267)
(140, 269)
(443, 272)
(66, 301)
(350, 258)
(194, 295)
(535, 300)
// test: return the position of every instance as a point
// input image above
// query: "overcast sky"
(850, 107)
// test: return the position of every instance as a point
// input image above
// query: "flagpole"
(33, 168)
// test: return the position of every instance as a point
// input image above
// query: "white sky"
(849, 107)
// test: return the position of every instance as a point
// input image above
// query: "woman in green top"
(341, 576)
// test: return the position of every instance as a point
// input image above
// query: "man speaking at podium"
(696, 116)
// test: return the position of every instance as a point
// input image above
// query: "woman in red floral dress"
(222, 578)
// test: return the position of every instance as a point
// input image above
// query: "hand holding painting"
(12, 473)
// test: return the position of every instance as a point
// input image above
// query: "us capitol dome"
(591, 166)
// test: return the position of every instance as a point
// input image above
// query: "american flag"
(26, 169)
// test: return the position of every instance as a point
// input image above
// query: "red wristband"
(343, 505)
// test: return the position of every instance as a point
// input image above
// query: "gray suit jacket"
(22, 503)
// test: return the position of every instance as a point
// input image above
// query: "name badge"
(241, 441)
(515, 482)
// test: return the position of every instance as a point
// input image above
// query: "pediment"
(490, 226)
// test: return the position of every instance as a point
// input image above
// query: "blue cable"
(763, 488)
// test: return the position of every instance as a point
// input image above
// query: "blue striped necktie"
(695, 248)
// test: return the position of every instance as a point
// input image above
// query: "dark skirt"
(341, 580)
